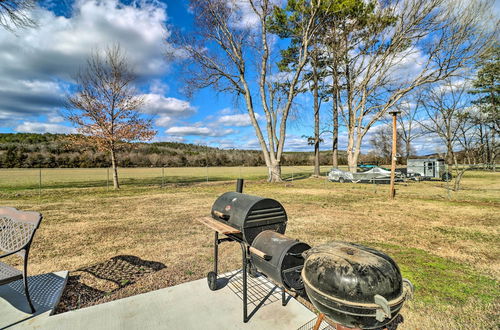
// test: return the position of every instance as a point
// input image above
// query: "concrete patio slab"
(187, 306)
(45, 291)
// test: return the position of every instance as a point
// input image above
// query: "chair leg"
(26, 289)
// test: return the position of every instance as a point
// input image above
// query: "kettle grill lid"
(352, 272)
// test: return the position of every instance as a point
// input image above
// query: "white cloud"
(226, 111)
(37, 65)
(158, 87)
(55, 119)
(38, 127)
(160, 105)
(239, 120)
(198, 131)
(167, 109)
(164, 121)
(174, 139)
(243, 16)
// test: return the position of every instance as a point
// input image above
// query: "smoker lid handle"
(221, 215)
(260, 253)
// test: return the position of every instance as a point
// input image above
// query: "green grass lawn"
(50, 178)
(447, 245)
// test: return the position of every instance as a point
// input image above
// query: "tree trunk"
(459, 174)
(116, 184)
(335, 114)
(317, 171)
(408, 148)
(449, 152)
(274, 172)
(493, 152)
(352, 161)
(458, 179)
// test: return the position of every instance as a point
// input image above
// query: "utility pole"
(394, 151)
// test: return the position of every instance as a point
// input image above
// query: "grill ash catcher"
(355, 286)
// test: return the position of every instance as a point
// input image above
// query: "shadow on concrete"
(222, 282)
(122, 270)
(45, 291)
(260, 291)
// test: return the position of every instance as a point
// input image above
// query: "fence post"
(448, 183)
(163, 176)
(39, 181)
(207, 172)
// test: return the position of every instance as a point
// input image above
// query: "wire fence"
(156, 177)
(53, 178)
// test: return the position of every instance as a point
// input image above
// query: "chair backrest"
(17, 228)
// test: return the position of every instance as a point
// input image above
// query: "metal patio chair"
(17, 229)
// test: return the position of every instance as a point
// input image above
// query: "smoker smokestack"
(239, 185)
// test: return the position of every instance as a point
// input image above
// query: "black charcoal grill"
(244, 218)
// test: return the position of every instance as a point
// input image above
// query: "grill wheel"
(212, 280)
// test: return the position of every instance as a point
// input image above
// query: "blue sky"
(37, 67)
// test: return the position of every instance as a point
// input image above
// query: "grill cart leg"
(245, 261)
(252, 270)
(318, 321)
(283, 297)
(212, 276)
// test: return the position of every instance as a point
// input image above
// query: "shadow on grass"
(121, 271)
(298, 176)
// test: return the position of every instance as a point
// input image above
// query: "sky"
(38, 66)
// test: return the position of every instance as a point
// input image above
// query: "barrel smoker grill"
(258, 225)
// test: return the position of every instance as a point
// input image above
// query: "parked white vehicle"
(375, 175)
(340, 176)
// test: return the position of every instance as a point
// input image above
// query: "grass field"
(50, 178)
(447, 245)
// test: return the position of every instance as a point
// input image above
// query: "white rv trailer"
(430, 168)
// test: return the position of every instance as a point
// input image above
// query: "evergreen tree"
(487, 87)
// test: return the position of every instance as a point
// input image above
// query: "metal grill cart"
(241, 218)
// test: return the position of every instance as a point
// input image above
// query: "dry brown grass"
(436, 241)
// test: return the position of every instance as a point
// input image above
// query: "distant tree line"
(28, 150)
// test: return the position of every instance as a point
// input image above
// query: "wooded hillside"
(54, 150)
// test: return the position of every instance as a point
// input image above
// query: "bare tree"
(436, 38)
(105, 106)
(409, 127)
(382, 142)
(222, 51)
(15, 14)
(447, 108)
